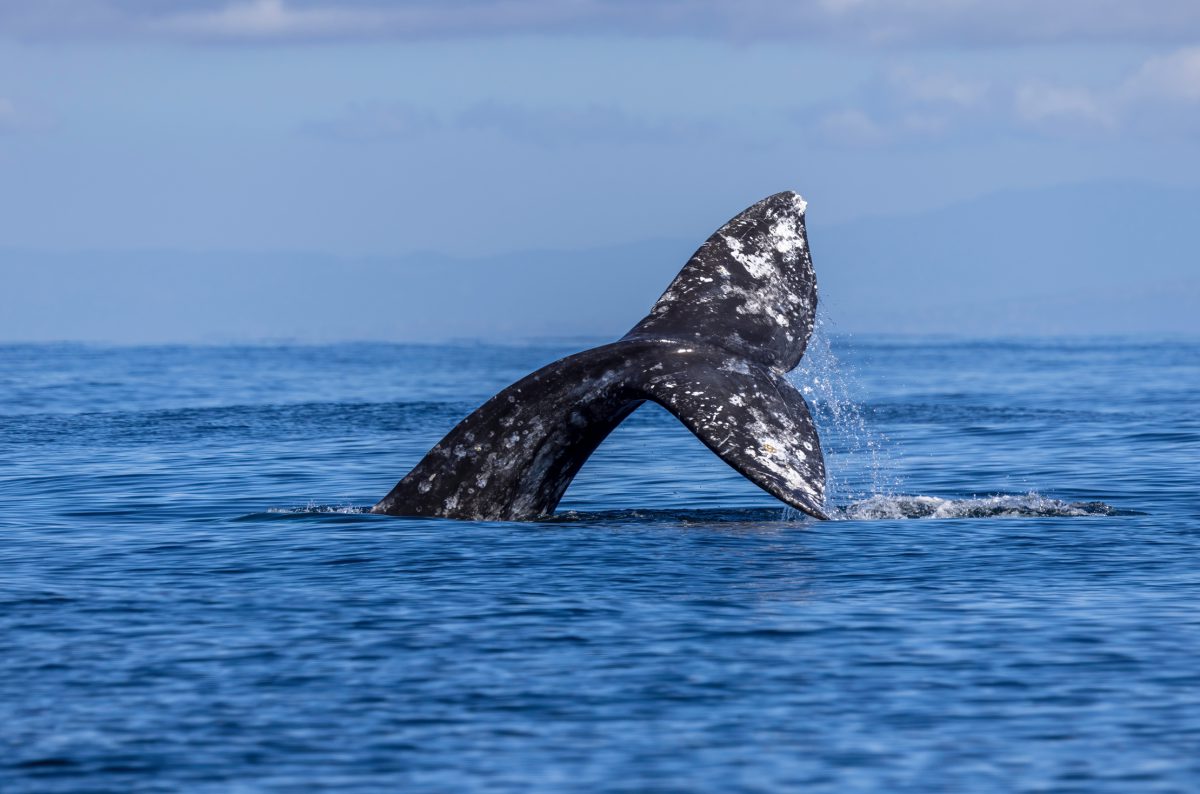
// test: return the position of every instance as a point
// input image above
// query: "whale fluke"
(750, 289)
(713, 351)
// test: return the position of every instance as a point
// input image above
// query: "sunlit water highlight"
(192, 598)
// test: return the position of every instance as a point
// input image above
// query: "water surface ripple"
(192, 598)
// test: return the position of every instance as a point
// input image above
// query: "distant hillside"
(1079, 259)
(218, 297)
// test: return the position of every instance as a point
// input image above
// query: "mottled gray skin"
(713, 351)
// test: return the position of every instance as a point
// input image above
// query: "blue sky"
(222, 137)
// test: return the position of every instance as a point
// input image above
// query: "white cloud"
(1162, 96)
(427, 19)
(1043, 104)
(1159, 97)
(851, 126)
(936, 88)
(1172, 78)
(905, 104)
(265, 19)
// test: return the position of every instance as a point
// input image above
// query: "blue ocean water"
(191, 598)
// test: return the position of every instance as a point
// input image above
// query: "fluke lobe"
(713, 351)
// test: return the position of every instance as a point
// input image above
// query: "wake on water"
(873, 508)
(1002, 506)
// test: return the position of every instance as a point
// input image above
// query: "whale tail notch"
(713, 351)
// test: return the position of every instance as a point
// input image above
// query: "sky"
(195, 170)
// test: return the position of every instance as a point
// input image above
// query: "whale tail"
(713, 351)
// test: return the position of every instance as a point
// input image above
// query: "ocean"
(192, 598)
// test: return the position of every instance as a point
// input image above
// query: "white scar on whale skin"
(784, 237)
(758, 265)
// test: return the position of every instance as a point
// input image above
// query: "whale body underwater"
(714, 351)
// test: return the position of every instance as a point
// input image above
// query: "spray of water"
(861, 483)
(312, 507)
(858, 458)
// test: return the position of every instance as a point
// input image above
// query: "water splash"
(313, 507)
(1031, 504)
(857, 456)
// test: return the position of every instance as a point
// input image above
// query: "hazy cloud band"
(866, 22)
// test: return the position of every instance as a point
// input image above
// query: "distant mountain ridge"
(1108, 258)
(1079, 259)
